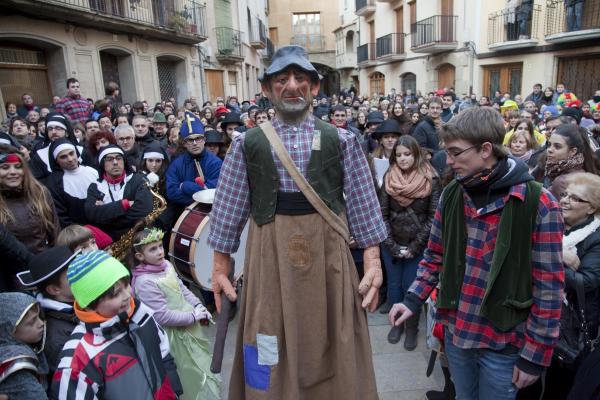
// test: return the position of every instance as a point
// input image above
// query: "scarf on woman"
(525, 157)
(143, 269)
(557, 168)
(406, 188)
(573, 238)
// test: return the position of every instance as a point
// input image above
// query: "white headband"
(56, 123)
(61, 147)
(110, 150)
(154, 154)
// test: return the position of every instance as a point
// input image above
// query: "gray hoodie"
(23, 368)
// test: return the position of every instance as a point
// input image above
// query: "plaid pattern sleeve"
(429, 269)
(77, 109)
(362, 206)
(541, 330)
(232, 201)
(535, 337)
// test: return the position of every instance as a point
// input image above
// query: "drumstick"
(222, 326)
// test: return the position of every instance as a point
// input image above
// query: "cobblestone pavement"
(400, 374)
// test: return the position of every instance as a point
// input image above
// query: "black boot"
(412, 331)
(448, 393)
(395, 334)
(385, 308)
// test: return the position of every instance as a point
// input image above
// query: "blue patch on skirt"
(257, 376)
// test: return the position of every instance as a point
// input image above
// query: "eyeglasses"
(125, 139)
(112, 159)
(454, 154)
(55, 128)
(195, 140)
(572, 197)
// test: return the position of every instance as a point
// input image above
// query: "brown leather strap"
(333, 220)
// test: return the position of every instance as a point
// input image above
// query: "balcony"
(365, 55)
(269, 51)
(345, 60)
(562, 27)
(181, 21)
(229, 45)
(364, 8)
(506, 33)
(391, 47)
(258, 34)
(435, 34)
(312, 43)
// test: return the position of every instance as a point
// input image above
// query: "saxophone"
(121, 247)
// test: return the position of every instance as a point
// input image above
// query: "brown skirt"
(302, 332)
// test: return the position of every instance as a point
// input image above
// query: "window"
(502, 77)
(408, 81)
(377, 83)
(306, 30)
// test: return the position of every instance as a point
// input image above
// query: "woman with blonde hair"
(26, 207)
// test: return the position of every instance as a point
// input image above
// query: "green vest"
(508, 293)
(325, 173)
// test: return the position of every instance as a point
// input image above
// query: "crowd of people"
(79, 176)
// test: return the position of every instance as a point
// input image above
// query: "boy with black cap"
(48, 272)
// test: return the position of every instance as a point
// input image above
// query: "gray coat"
(22, 367)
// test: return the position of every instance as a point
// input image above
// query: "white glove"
(200, 313)
(152, 178)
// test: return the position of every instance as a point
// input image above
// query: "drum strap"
(311, 195)
(199, 169)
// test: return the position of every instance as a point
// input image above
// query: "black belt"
(293, 203)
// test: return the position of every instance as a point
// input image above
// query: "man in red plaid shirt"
(495, 249)
(78, 109)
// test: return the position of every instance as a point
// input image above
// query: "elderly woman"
(580, 202)
(522, 143)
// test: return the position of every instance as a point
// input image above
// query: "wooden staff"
(222, 326)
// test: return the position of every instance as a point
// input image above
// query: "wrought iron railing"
(360, 4)
(560, 19)
(269, 50)
(309, 42)
(258, 32)
(181, 15)
(514, 24)
(365, 52)
(432, 30)
(229, 42)
(391, 44)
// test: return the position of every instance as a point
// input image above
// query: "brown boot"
(412, 331)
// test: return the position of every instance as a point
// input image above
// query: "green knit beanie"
(92, 274)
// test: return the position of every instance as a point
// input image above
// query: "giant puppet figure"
(303, 330)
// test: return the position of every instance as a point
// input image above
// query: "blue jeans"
(574, 14)
(401, 273)
(480, 374)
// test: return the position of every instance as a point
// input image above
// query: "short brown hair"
(74, 236)
(477, 125)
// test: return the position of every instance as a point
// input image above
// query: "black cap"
(375, 117)
(573, 112)
(231, 118)
(46, 264)
(387, 126)
(213, 137)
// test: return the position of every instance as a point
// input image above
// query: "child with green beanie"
(118, 351)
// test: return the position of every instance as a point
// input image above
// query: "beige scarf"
(406, 188)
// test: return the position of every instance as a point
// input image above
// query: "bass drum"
(189, 251)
